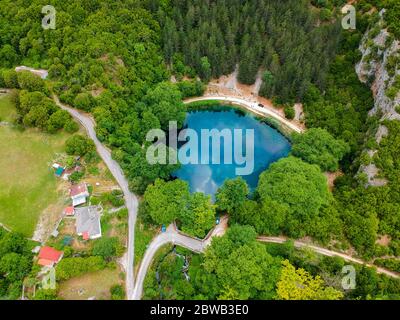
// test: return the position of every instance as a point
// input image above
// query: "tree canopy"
(232, 194)
(296, 188)
(298, 284)
(317, 146)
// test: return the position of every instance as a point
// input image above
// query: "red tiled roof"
(69, 211)
(50, 254)
(45, 263)
(78, 189)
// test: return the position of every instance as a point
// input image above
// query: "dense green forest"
(236, 266)
(290, 41)
(103, 57)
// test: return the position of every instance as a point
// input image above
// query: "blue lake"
(269, 146)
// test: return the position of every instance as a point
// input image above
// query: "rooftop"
(88, 222)
(49, 256)
(78, 189)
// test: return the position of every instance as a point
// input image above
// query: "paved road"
(131, 200)
(173, 236)
(329, 253)
(251, 106)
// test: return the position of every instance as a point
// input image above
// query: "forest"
(288, 41)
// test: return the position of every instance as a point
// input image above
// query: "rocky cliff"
(379, 69)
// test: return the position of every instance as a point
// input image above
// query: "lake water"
(269, 146)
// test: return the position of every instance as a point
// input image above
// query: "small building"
(69, 211)
(79, 193)
(56, 166)
(88, 222)
(39, 72)
(59, 171)
(49, 256)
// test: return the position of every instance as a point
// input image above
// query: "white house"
(79, 193)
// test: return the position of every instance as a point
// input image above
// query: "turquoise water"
(269, 146)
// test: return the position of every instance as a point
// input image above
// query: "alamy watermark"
(349, 280)
(49, 279)
(349, 20)
(49, 20)
(198, 150)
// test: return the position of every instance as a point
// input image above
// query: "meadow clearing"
(27, 183)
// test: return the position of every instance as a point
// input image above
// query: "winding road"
(172, 235)
(328, 253)
(131, 200)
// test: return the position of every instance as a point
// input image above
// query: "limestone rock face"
(378, 49)
(374, 71)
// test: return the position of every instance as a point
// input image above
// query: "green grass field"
(95, 284)
(7, 110)
(27, 183)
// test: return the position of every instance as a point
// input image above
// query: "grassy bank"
(7, 109)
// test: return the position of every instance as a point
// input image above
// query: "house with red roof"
(49, 256)
(79, 193)
(69, 211)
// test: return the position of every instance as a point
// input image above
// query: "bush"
(10, 78)
(78, 145)
(289, 112)
(191, 88)
(30, 81)
(45, 294)
(107, 247)
(73, 267)
(76, 176)
(115, 198)
(71, 126)
(117, 292)
(83, 101)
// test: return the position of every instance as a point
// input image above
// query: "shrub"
(71, 126)
(30, 81)
(117, 292)
(289, 112)
(83, 101)
(73, 267)
(107, 247)
(78, 145)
